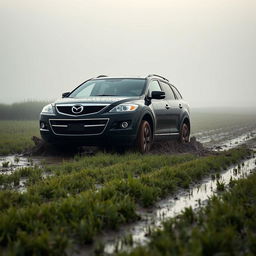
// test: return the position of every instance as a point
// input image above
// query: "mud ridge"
(174, 147)
(42, 148)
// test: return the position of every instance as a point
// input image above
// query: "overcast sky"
(206, 48)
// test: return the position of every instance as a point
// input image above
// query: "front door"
(160, 108)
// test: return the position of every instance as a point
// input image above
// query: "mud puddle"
(11, 163)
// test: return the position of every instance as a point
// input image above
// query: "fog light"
(124, 125)
(42, 125)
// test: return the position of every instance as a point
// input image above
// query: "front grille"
(78, 127)
(87, 109)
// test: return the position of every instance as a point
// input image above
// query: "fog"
(206, 48)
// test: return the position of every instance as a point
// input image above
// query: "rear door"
(174, 110)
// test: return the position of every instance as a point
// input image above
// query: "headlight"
(124, 108)
(48, 109)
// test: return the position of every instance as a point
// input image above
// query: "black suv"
(117, 111)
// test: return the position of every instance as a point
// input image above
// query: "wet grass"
(220, 186)
(15, 136)
(5, 164)
(76, 176)
(226, 226)
(45, 221)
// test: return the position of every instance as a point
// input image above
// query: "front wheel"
(184, 133)
(144, 137)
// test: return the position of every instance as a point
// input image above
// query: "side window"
(154, 86)
(177, 93)
(168, 91)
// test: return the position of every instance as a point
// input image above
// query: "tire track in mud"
(226, 138)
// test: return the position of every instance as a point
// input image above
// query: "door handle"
(180, 106)
(167, 106)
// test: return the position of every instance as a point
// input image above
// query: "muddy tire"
(184, 134)
(144, 137)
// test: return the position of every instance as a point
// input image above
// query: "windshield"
(127, 87)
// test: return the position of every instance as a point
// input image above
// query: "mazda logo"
(77, 109)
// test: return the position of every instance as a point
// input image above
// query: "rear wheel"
(144, 137)
(184, 133)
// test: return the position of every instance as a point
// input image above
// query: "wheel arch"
(148, 117)
(145, 136)
(186, 120)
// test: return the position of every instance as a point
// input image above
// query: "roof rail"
(101, 76)
(158, 76)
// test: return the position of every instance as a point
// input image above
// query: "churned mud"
(43, 149)
(201, 143)
(174, 147)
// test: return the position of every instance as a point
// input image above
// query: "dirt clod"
(172, 147)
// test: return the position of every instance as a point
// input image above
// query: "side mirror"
(65, 94)
(157, 95)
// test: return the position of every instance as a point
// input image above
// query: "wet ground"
(9, 164)
(194, 197)
(197, 195)
(206, 142)
(130, 236)
(226, 138)
(201, 142)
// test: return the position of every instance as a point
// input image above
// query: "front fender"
(144, 113)
(185, 115)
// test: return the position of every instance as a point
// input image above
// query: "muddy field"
(195, 196)
(200, 143)
(39, 182)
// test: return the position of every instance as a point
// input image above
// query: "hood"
(103, 100)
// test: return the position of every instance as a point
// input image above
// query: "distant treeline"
(29, 110)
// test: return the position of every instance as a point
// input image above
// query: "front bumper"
(57, 129)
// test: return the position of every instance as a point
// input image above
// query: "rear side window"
(154, 86)
(168, 91)
(177, 93)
